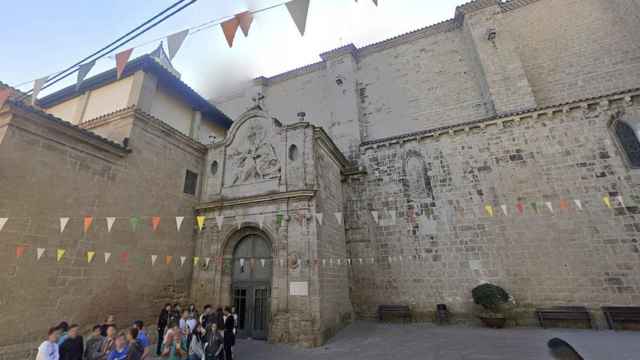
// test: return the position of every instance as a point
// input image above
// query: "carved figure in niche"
(417, 183)
(256, 161)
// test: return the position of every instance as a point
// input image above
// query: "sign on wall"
(299, 288)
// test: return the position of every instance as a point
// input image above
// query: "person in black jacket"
(73, 347)
(163, 320)
(229, 336)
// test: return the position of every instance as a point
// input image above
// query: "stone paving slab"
(366, 340)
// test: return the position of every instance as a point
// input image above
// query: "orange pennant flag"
(87, 223)
(155, 222)
(20, 250)
(564, 204)
(229, 28)
(167, 259)
(245, 19)
(121, 61)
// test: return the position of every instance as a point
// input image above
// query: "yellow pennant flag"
(200, 221)
(195, 260)
(606, 201)
(60, 254)
(489, 210)
(90, 256)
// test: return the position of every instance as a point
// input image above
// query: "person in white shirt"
(48, 350)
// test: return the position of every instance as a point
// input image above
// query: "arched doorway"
(251, 285)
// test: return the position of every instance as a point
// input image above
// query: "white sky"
(52, 39)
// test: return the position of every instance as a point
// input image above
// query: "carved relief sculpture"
(256, 159)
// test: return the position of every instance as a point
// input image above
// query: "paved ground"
(374, 341)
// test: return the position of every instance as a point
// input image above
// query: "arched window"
(628, 142)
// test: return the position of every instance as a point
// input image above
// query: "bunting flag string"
(122, 58)
(83, 71)
(60, 254)
(299, 9)
(37, 86)
(110, 222)
(63, 223)
(229, 29)
(174, 42)
(87, 223)
(155, 222)
(179, 220)
(244, 20)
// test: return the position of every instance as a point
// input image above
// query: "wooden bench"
(401, 311)
(579, 313)
(619, 314)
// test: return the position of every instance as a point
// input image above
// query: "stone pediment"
(251, 150)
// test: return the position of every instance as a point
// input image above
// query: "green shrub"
(489, 296)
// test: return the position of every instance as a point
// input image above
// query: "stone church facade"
(477, 149)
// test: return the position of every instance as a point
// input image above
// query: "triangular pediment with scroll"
(252, 146)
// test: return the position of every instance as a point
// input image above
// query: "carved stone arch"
(233, 237)
(416, 182)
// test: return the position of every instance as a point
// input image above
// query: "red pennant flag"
(155, 222)
(229, 28)
(520, 208)
(4, 95)
(121, 61)
(87, 223)
(564, 204)
(20, 250)
(245, 19)
(124, 256)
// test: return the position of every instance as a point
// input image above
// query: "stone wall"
(51, 170)
(554, 253)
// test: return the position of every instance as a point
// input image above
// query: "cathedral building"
(498, 146)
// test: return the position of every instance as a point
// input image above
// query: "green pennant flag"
(534, 206)
(279, 218)
(134, 222)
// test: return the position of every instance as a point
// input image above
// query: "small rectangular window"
(190, 182)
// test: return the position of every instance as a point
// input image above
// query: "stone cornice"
(252, 200)
(323, 140)
(152, 123)
(500, 119)
(49, 122)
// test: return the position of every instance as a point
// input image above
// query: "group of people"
(64, 342)
(188, 334)
(182, 335)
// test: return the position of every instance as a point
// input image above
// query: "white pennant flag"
(63, 223)
(339, 263)
(319, 218)
(262, 262)
(110, 222)
(238, 222)
(174, 42)
(578, 203)
(179, 220)
(549, 206)
(392, 213)
(83, 70)
(504, 209)
(324, 262)
(219, 221)
(40, 252)
(153, 259)
(37, 86)
(3, 221)
(619, 199)
(339, 217)
(374, 214)
(206, 261)
(360, 261)
(281, 262)
(241, 262)
(298, 9)
(260, 220)
(182, 260)
(107, 256)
